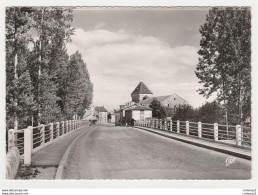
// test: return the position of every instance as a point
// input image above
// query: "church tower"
(141, 92)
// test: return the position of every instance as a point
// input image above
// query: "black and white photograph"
(128, 93)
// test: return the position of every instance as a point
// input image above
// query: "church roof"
(141, 89)
(176, 100)
(138, 107)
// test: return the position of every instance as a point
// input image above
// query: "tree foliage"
(183, 112)
(224, 65)
(79, 88)
(210, 112)
(158, 111)
(42, 84)
(19, 97)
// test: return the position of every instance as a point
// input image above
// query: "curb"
(60, 169)
(230, 152)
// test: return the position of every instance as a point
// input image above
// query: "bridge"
(153, 149)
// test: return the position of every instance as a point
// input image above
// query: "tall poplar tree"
(19, 96)
(224, 65)
(79, 89)
(51, 30)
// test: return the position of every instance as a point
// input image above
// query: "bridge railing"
(32, 139)
(234, 135)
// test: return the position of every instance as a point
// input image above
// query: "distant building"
(138, 113)
(138, 108)
(117, 117)
(90, 112)
(134, 111)
(98, 111)
(169, 101)
(112, 117)
(141, 92)
(102, 114)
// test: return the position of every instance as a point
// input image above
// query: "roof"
(141, 89)
(162, 98)
(138, 107)
(141, 108)
(100, 109)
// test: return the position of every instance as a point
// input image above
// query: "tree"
(50, 31)
(78, 90)
(210, 112)
(19, 96)
(158, 111)
(42, 84)
(183, 112)
(224, 64)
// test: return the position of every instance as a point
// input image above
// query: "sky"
(123, 47)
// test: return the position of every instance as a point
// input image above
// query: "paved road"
(107, 152)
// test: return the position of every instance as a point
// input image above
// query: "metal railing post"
(160, 123)
(199, 129)
(216, 131)
(178, 126)
(171, 125)
(238, 135)
(187, 127)
(28, 143)
(51, 132)
(11, 139)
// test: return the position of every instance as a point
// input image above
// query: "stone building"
(138, 113)
(98, 111)
(141, 92)
(138, 108)
(169, 101)
(102, 114)
(134, 111)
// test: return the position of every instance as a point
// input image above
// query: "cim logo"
(230, 160)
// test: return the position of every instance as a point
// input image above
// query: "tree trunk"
(40, 61)
(16, 79)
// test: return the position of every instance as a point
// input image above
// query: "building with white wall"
(138, 108)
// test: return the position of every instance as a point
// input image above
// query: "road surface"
(108, 152)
